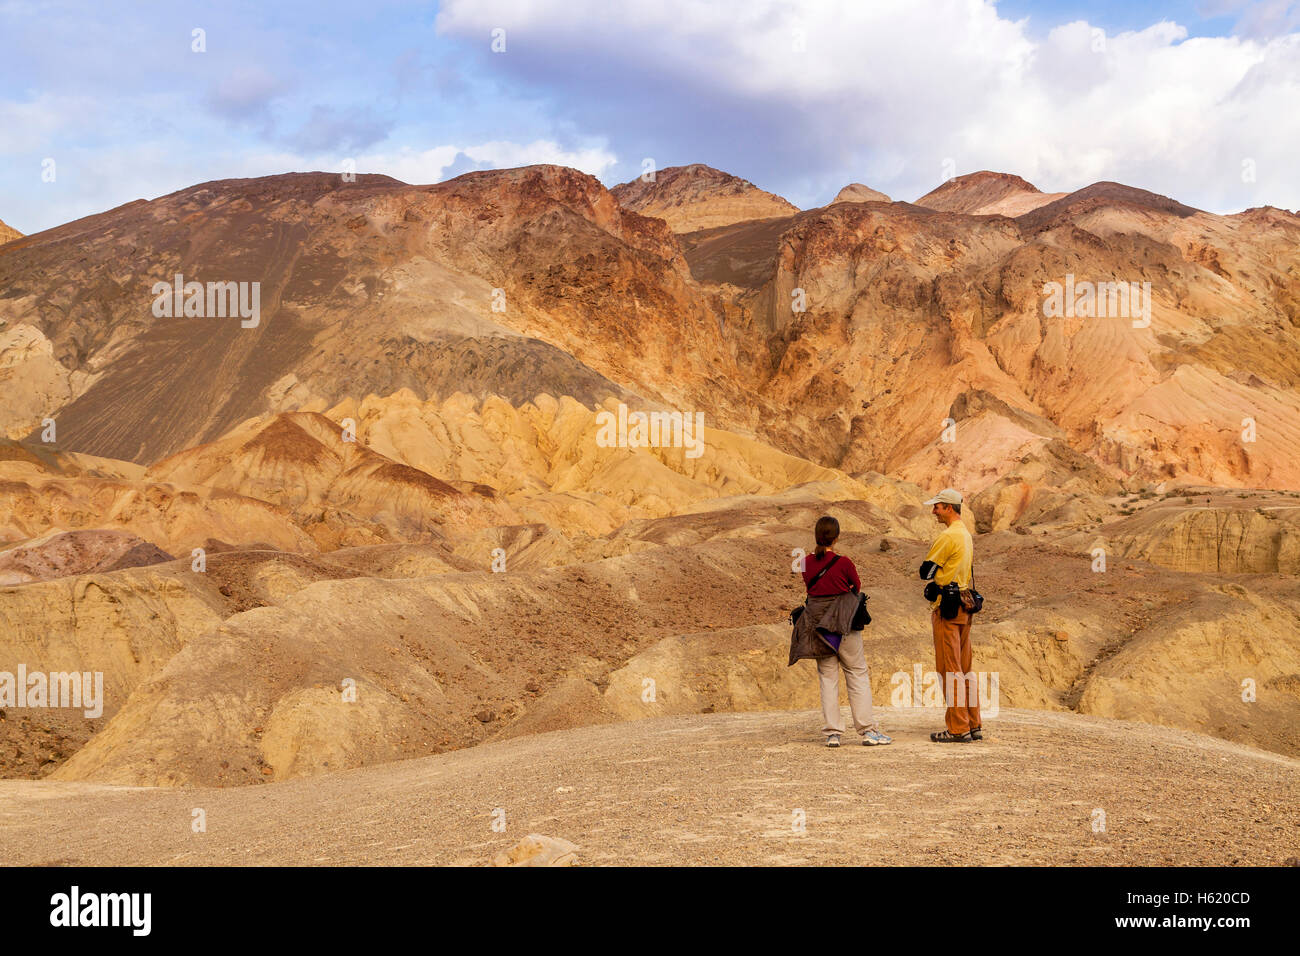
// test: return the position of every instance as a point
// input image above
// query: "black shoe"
(943, 737)
(977, 733)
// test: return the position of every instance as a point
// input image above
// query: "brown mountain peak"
(1102, 194)
(856, 192)
(975, 191)
(697, 196)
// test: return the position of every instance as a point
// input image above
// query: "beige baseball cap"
(949, 496)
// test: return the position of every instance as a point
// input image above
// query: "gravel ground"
(715, 789)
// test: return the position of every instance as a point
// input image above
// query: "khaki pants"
(858, 680)
(952, 660)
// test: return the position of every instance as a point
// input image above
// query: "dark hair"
(825, 531)
(957, 507)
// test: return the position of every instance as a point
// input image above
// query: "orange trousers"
(952, 660)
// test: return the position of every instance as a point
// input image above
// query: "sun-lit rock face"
(8, 233)
(856, 192)
(33, 381)
(845, 335)
(695, 197)
(906, 309)
(987, 194)
(399, 469)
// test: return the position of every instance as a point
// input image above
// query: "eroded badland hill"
(376, 510)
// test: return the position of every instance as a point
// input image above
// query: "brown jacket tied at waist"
(834, 614)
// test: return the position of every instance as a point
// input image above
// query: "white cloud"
(410, 166)
(31, 124)
(896, 87)
(503, 155)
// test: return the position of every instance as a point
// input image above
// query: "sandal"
(943, 737)
(977, 733)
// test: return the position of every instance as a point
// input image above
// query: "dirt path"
(716, 789)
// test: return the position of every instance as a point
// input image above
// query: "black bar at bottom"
(248, 905)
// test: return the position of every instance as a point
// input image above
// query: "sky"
(105, 103)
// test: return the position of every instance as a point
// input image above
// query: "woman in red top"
(840, 577)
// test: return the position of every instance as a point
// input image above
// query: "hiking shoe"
(943, 737)
(833, 740)
(977, 733)
(874, 738)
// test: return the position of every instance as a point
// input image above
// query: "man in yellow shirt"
(949, 562)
